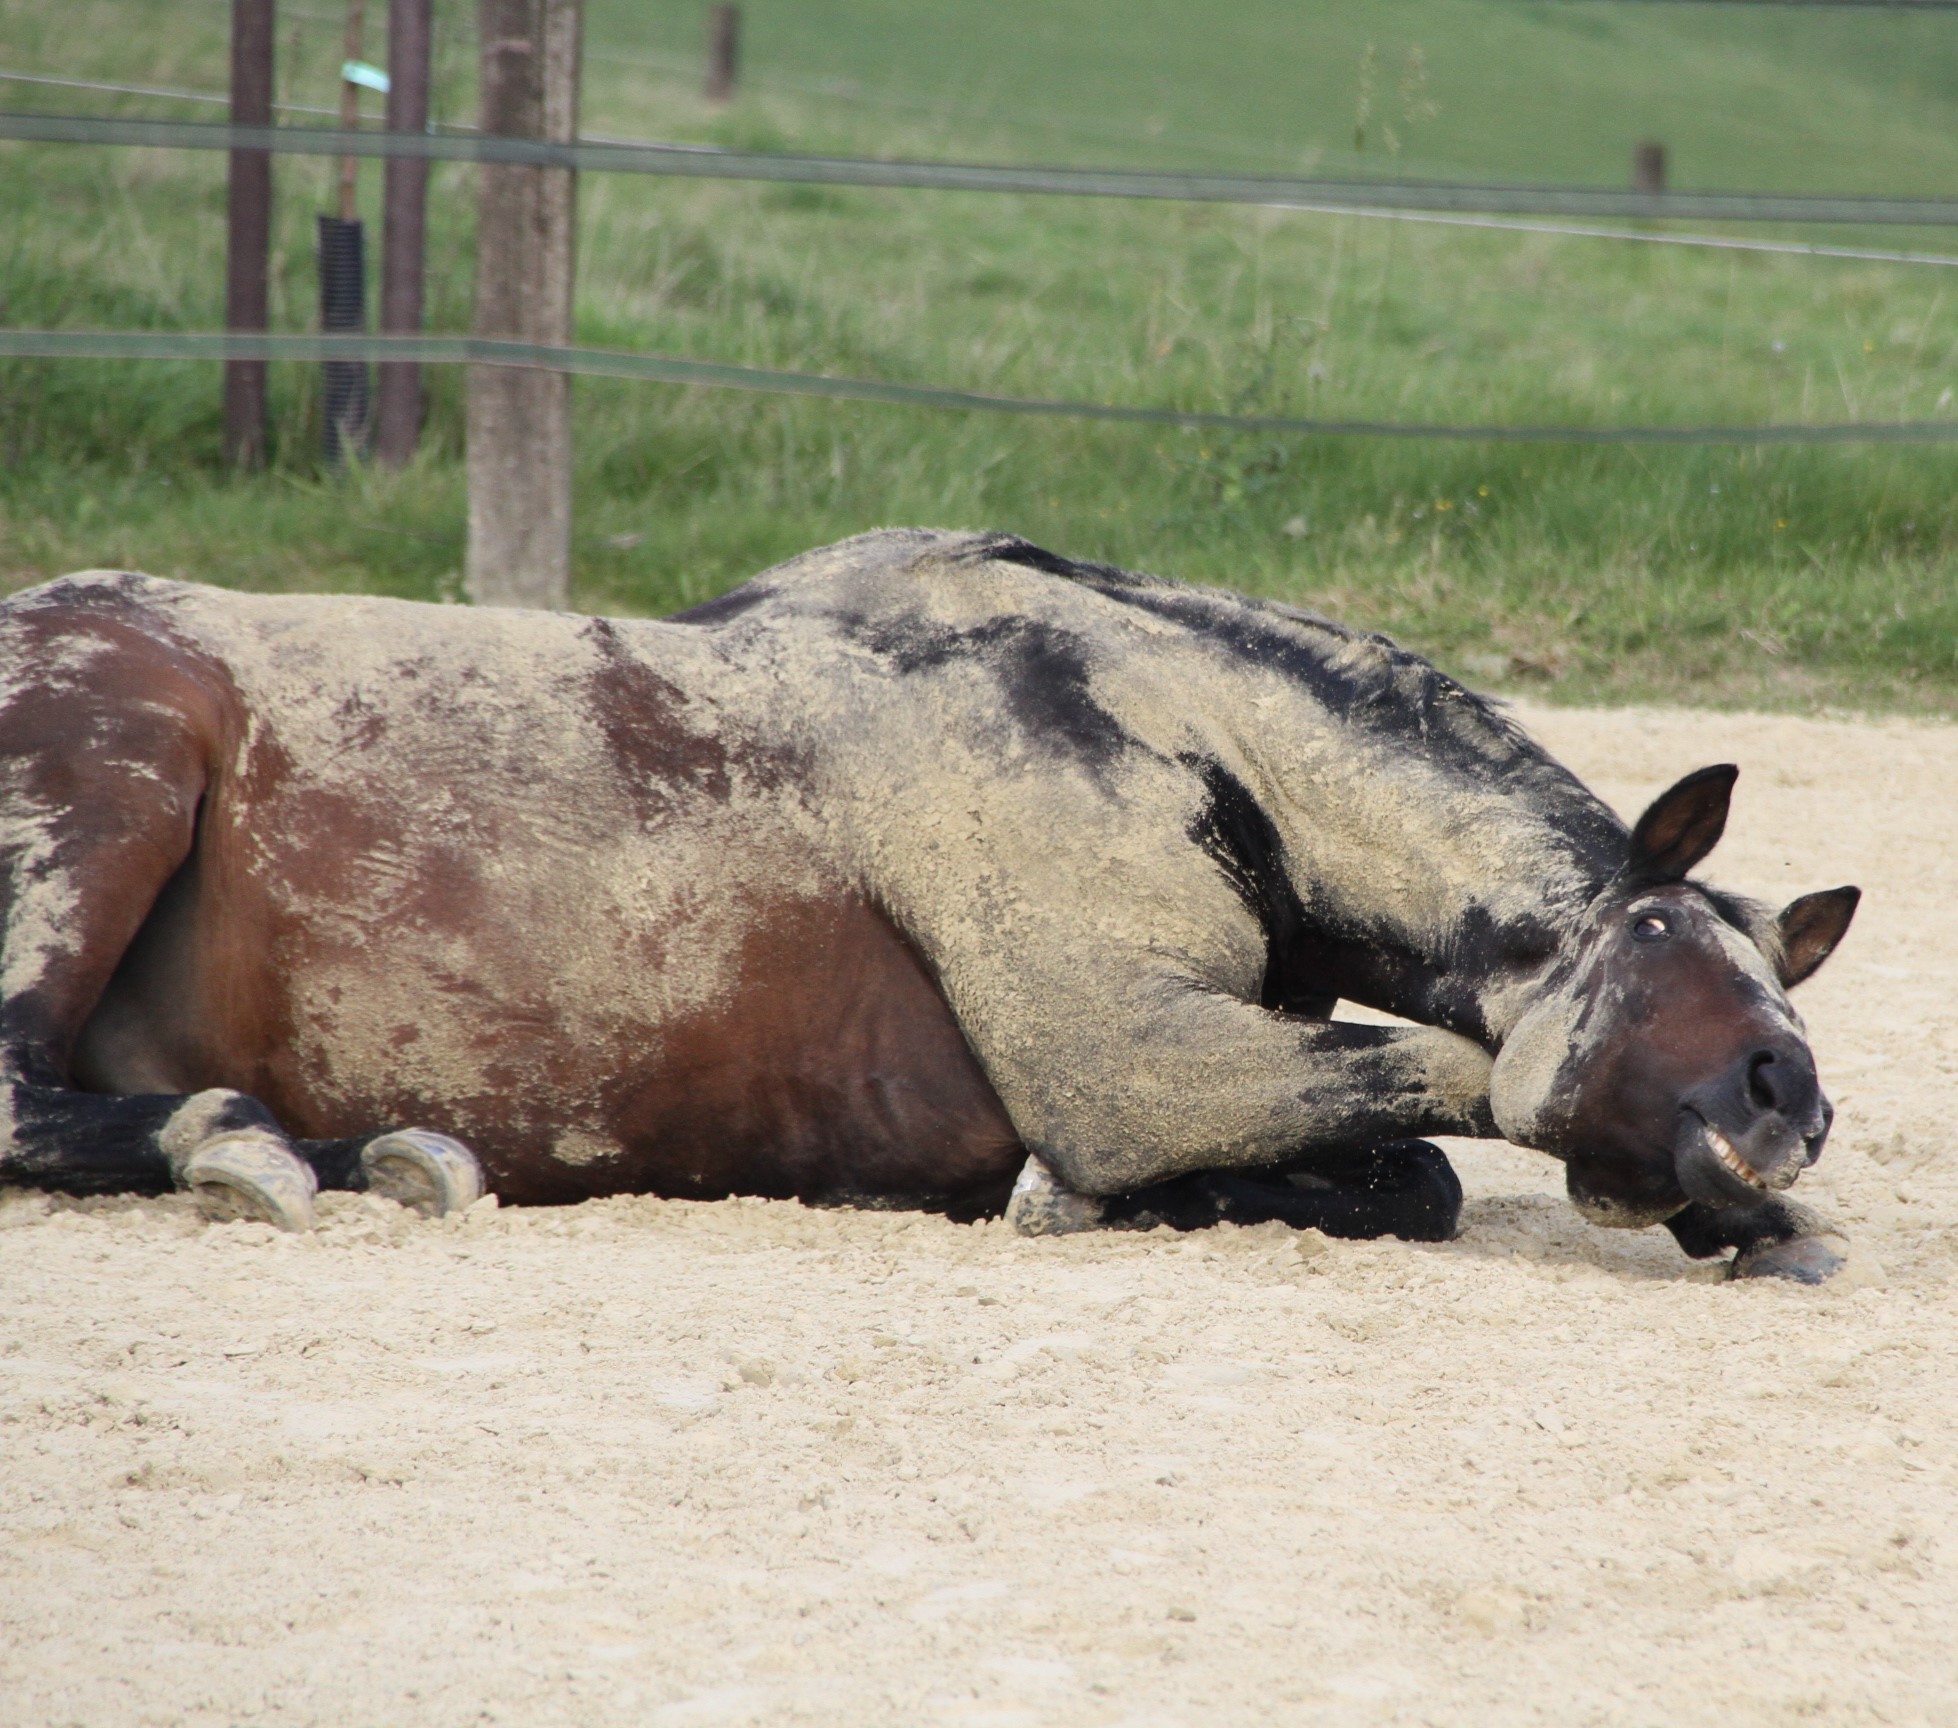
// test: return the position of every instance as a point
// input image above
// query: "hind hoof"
(251, 1176)
(1041, 1206)
(424, 1171)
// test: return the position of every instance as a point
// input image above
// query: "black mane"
(1359, 676)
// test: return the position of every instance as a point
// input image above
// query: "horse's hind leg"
(110, 736)
(425, 1171)
(1406, 1188)
(107, 735)
(222, 1146)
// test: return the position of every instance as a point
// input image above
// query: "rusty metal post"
(248, 218)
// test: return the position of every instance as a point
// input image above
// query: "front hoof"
(1805, 1259)
(253, 1176)
(427, 1172)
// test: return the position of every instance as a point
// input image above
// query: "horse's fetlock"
(203, 1117)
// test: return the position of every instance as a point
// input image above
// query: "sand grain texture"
(672, 1463)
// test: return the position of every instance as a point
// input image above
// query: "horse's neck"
(1441, 867)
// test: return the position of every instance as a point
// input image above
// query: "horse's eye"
(1651, 928)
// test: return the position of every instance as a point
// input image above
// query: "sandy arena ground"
(671, 1464)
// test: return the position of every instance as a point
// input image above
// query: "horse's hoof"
(1804, 1259)
(254, 1176)
(425, 1171)
(1041, 1206)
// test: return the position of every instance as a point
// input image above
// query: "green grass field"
(1721, 575)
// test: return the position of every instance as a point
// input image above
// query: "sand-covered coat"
(680, 905)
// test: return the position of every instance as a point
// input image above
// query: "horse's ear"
(1682, 825)
(1810, 929)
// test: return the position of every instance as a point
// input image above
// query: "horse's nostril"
(1761, 1077)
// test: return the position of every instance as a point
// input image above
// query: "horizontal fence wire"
(156, 92)
(697, 161)
(724, 375)
(1640, 236)
(1794, 5)
(1645, 236)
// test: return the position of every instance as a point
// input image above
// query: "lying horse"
(916, 864)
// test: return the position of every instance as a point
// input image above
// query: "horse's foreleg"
(1777, 1239)
(1317, 1091)
(1406, 1189)
(1357, 1104)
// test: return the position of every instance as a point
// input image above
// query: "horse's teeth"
(1724, 1150)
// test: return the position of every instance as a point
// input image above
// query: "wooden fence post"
(519, 550)
(248, 239)
(1649, 168)
(723, 51)
(404, 218)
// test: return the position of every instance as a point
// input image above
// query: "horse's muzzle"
(1751, 1133)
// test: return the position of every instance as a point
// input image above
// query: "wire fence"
(1472, 204)
(702, 161)
(725, 375)
(1641, 236)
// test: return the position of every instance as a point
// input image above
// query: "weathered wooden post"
(723, 51)
(248, 217)
(404, 219)
(1649, 168)
(519, 550)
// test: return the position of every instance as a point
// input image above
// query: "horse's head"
(1659, 1057)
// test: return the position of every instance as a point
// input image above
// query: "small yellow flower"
(1781, 522)
(1869, 347)
(1482, 491)
(1444, 503)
